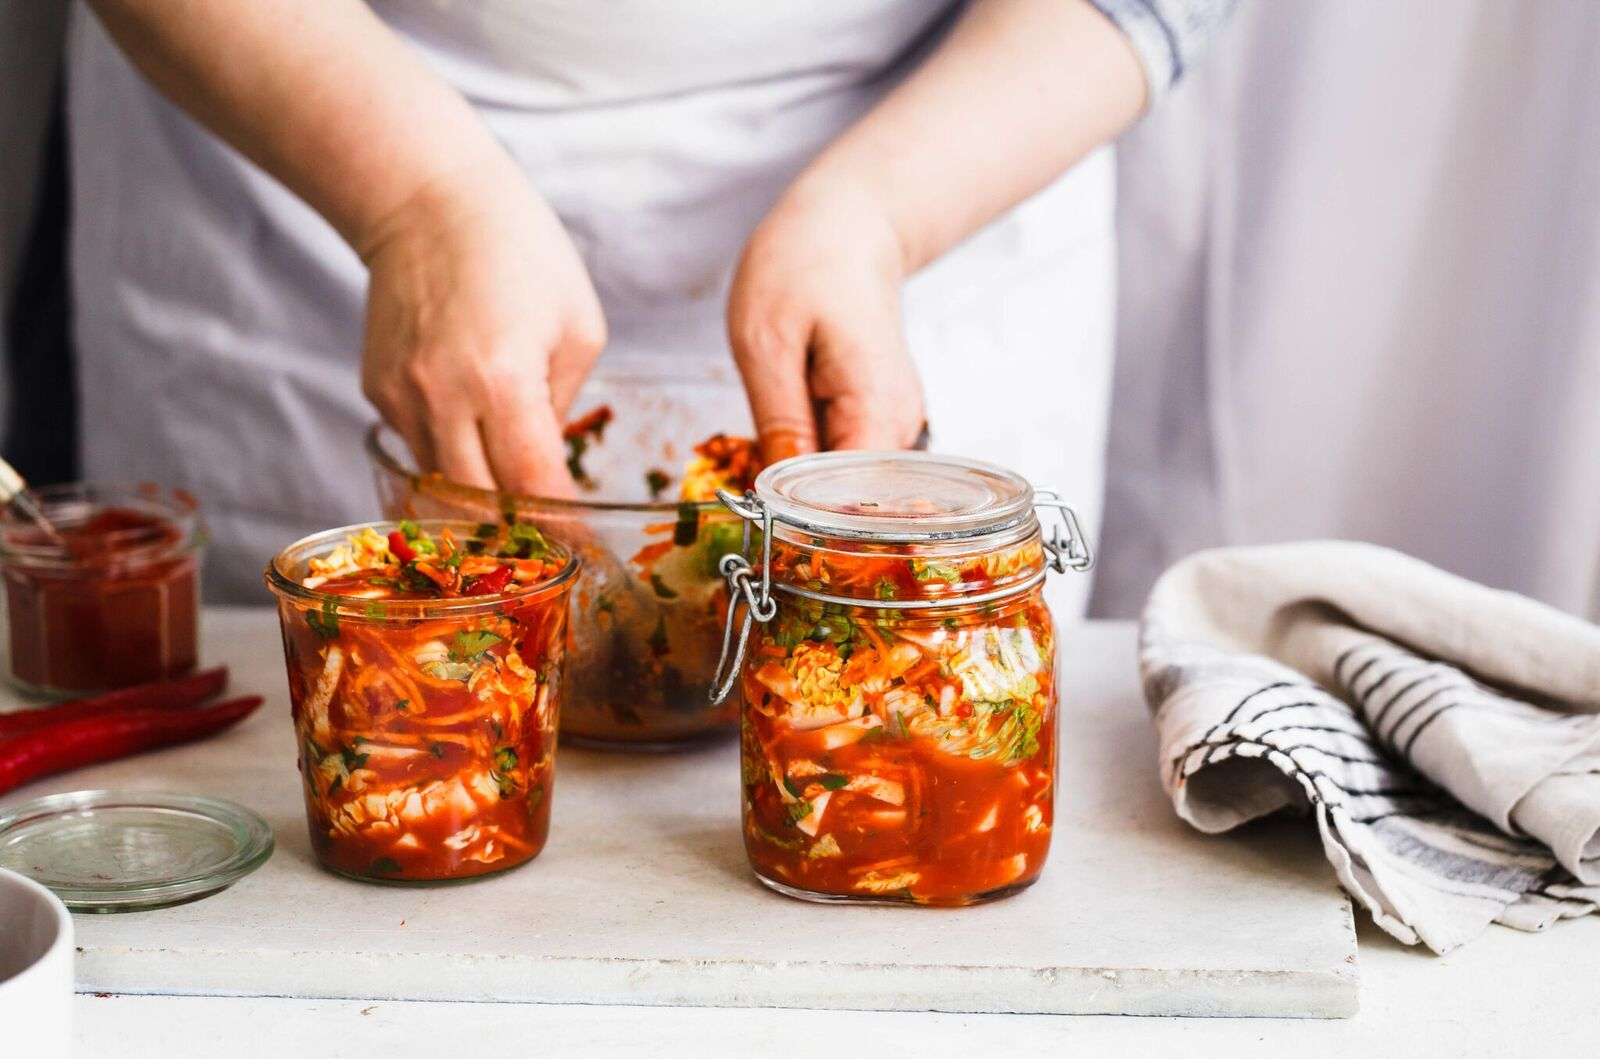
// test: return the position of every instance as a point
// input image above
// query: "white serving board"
(642, 895)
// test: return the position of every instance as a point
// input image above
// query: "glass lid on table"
(894, 496)
(130, 851)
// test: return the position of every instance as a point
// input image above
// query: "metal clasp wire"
(1070, 552)
(741, 586)
(1068, 546)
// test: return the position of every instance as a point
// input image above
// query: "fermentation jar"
(897, 667)
(114, 600)
(424, 664)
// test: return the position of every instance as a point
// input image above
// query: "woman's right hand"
(481, 325)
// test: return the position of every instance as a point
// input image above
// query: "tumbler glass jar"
(426, 728)
(898, 677)
(114, 600)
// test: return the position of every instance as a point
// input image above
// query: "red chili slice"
(397, 544)
(490, 583)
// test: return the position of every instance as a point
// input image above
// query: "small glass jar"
(118, 604)
(898, 678)
(426, 727)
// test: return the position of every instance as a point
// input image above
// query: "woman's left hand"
(1017, 93)
(814, 321)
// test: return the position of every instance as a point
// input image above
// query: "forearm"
(1018, 93)
(319, 93)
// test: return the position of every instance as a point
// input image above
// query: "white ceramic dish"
(35, 970)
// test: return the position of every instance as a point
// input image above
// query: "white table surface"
(1505, 994)
(643, 895)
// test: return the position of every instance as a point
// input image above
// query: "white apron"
(219, 319)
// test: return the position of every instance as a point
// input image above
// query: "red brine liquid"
(117, 606)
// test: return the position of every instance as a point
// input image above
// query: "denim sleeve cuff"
(1166, 35)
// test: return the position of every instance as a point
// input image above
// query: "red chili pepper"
(397, 544)
(90, 740)
(162, 694)
(489, 583)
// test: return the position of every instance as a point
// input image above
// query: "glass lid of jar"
(894, 496)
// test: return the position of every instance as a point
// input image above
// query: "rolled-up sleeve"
(1167, 35)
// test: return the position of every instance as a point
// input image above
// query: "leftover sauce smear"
(117, 607)
(659, 628)
(427, 738)
(900, 755)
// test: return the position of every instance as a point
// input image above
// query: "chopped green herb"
(658, 637)
(402, 705)
(577, 445)
(387, 866)
(833, 781)
(377, 611)
(798, 811)
(885, 588)
(324, 623)
(410, 530)
(469, 645)
(524, 542)
(415, 579)
(660, 586)
(486, 530)
(687, 531)
(657, 481)
(794, 790)
(505, 760)
(437, 750)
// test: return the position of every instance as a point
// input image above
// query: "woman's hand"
(481, 321)
(814, 321)
(481, 325)
(1017, 93)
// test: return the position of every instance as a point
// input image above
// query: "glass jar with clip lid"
(896, 662)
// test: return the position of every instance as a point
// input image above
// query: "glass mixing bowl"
(647, 612)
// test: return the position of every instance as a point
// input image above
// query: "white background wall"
(1360, 295)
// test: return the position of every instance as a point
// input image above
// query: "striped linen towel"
(1445, 736)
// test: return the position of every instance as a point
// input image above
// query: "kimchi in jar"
(113, 599)
(425, 674)
(898, 678)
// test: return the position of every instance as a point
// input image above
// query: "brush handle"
(11, 483)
